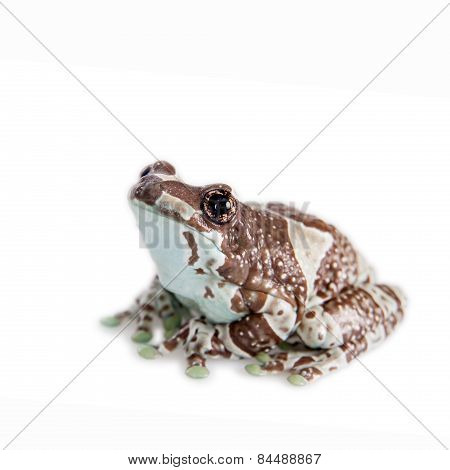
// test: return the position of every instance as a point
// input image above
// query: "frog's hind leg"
(358, 319)
(354, 313)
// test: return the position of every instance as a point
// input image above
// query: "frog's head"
(207, 209)
(216, 241)
(183, 224)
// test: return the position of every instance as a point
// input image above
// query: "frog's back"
(326, 256)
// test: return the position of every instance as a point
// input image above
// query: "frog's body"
(254, 279)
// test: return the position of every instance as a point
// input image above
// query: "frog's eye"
(145, 171)
(219, 206)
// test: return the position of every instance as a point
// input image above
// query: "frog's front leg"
(336, 332)
(261, 330)
(243, 338)
(200, 340)
(151, 303)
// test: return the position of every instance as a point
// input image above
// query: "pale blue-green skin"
(171, 253)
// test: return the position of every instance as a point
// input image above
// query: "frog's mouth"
(175, 245)
(163, 225)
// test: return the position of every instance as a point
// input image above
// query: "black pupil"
(219, 204)
(145, 172)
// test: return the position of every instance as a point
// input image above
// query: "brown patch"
(189, 194)
(388, 290)
(354, 348)
(274, 366)
(282, 356)
(172, 343)
(196, 360)
(253, 334)
(355, 311)
(254, 300)
(143, 328)
(193, 246)
(221, 284)
(310, 315)
(339, 267)
(237, 303)
(304, 360)
(147, 190)
(198, 223)
(208, 293)
(218, 348)
(310, 373)
(163, 167)
(260, 256)
(200, 271)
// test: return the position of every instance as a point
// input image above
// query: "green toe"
(169, 333)
(110, 321)
(284, 346)
(148, 352)
(263, 357)
(141, 337)
(297, 380)
(254, 369)
(197, 372)
(172, 322)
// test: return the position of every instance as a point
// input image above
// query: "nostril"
(145, 171)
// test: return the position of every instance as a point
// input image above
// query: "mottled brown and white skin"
(241, 280)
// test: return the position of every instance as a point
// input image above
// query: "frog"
(262, 282)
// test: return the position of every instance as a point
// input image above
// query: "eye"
(145, 171)
(219, 206)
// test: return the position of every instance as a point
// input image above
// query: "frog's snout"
(160, 167)
(148, 188)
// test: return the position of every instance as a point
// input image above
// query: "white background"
(228, 92)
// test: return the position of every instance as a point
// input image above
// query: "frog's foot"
(196, 368)
(307, 365)
(143, 332)
(308, 369)
(153, 303)
(274, 362)
(141, 309)
(373, 310)
(200, 341)
(303, 366)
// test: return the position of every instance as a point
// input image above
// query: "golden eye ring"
(219, 206)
